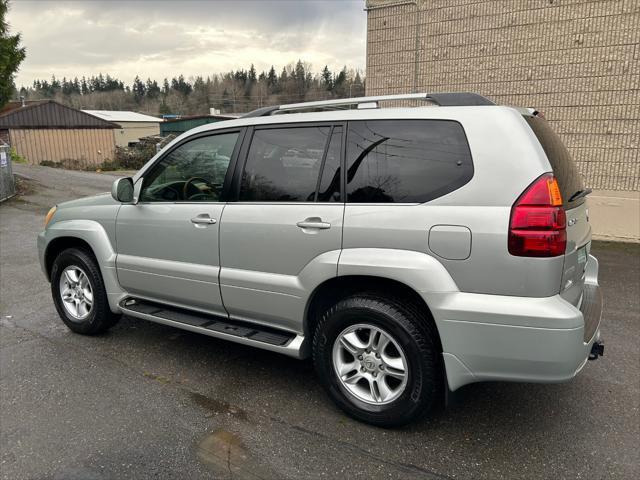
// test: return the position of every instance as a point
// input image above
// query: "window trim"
(345, 160)
(234, 191)
(228, 175)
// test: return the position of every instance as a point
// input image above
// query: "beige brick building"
(576, 61)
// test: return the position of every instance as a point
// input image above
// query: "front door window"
(193, 172)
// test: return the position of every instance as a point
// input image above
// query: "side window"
(411, 161)
(283, 164)
(193, 172)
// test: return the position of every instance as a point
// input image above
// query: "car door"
(284, 232)
(167, 243)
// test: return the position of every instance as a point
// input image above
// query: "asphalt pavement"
(149, 401)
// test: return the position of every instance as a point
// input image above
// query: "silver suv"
(409, 251)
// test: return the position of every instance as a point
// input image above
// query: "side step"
(215, 326)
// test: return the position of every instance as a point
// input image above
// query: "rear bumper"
(492, 337)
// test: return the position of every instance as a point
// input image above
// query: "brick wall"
(576, 61)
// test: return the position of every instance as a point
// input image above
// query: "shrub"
(15, 158)
(133, 158)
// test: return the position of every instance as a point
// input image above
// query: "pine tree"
(84, 88)
(138, 89)
(339, 83)
(11, 56)
(152, 89)
(327, 78)
(272, 80)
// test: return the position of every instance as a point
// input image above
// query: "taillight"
(538, 226)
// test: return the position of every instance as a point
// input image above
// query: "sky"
(161, 38)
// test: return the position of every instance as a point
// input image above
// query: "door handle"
(314, 222)
(203, 218)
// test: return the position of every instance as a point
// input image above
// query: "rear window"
(405, 161)
(564, 168)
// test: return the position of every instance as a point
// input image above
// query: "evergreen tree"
(339, 83)
(152, 88)
(84, 88)
(138, 89)
(251, 75)
(300, 77)
(11, 56)
(327, 79)
(181, 86)
(272, 80)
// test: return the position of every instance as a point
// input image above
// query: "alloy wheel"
(370, 364)
(76, 292)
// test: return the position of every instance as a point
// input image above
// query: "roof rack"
(441, 99)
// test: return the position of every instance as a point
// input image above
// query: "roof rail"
(441, 99)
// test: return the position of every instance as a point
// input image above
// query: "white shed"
(133, 125)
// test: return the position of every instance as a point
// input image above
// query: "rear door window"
(284, 164)
(564, 168)
(405, 161)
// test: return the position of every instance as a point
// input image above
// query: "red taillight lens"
(538, 221)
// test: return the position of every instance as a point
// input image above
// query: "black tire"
(100, 317)
(414, 332)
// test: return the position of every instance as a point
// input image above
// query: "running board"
(215, 326)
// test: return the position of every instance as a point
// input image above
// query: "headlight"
(49, 215)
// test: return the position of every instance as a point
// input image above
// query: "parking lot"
(149, 400)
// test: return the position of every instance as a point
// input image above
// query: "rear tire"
(391, 385)
(79, 294)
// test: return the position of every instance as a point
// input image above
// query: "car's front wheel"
(79, 294)
(378, 359)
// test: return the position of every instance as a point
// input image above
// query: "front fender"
(94, 234)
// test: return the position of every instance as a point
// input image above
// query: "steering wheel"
(189, 183)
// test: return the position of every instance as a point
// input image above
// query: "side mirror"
(122, 190)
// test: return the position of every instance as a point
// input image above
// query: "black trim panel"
(258, 333)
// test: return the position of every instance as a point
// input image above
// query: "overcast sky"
(157, 39)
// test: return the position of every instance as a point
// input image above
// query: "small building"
(47, 132)
(181, 124)
(133, 125)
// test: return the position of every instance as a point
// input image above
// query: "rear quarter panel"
(507, 159)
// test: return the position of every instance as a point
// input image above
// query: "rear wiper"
(580, 194)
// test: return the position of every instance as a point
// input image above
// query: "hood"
(94, 200)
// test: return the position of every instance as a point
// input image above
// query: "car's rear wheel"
(79, 294)
(378, 359)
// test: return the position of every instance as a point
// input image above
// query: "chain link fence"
(7, 184)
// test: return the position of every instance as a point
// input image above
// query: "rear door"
(573, 196)
(285, 224)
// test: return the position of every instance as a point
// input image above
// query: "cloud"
(160, 39)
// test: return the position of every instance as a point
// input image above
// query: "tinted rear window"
(410, 161)
(564, 168)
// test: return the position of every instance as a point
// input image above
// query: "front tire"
(79, 294)
(378, 359)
